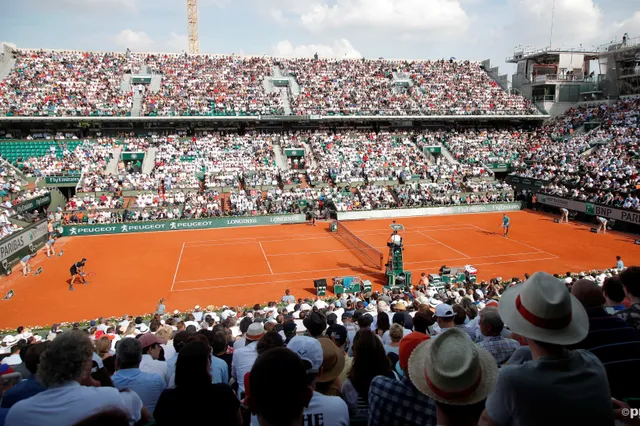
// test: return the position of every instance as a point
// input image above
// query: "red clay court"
(237, 266)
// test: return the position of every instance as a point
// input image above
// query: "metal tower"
(192, 20)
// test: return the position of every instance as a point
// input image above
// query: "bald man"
(604, 329)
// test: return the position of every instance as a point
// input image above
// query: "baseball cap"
(332, 318)
(149, 339)
(444, 311)
(309, 350)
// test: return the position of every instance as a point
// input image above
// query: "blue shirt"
(148, 386)
(23, 390)
(26, 258)
(219, 370)
(620, 264)
(67, 405)
(505, 220)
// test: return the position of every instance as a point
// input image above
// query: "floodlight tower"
(192, 20)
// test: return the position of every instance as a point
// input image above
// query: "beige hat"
(332, 360)
(452, 369)
(542, 309)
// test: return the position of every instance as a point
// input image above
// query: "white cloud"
(100, 4)
(134, 40)
(426, 16)
(341, 48)
(628, 25)
(575, 22)
(177, 43)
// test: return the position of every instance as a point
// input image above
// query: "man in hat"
(151, 350)
(445, 318)
(456, 373)
(245, 356)
(315, 323)
(333, 364)
(630, 278)
(322, 409)
(399, 403)
(550, 318)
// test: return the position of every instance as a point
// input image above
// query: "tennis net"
(364, 251)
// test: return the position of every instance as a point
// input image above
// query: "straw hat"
(255, 331)
(542, 309)
(452, 369)
(332, 360)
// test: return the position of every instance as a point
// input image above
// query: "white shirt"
(71, 403)
(169, 350)
(322, 410)
(386, 339)
(150, 365)
(12, 360)
(242, 362)
(240, 343)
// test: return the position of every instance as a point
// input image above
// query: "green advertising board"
(180, 225)
(433, 149)
(34, 203)
(590, 209)
(500, 166)
(294, 152)
(62, 180)
(141, 79)
(132, 156)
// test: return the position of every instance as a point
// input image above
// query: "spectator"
(148, 386)
(630, 278)
(269, 341)
(333, 363)
(491, 327)
(444, 317)
(604, 328)
(151, 350)
(614, 295)
(460, 319)
(243, 327)
(266, 390)
(550, 318)
(14, 359)
(399, 403)
(321, 409)
(315, 323)
(423, 322)
(64, 367)
(369, 361)
(395, 334)
(382, 324)
(219, 368)
(288, 298)
(32, 385)
(179, 340)
(244, 357)
(457, 374)
(195, 390)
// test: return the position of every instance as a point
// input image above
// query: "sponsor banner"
(433, 149)
(62, 180)
(429, 211)
(34, 203)
(500, 166)
(628, 216)
(21, 243)
(132, 156)
(294, 152)
(527, 183)
(177, 225)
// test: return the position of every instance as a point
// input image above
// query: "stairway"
(225, 204)
(57, 199)
(149, 161)
(137, 103)
(7, 63)
(129, 202)
(284, 97)
(112, 167)
(309, 152)
(156, 82)
(125, 83)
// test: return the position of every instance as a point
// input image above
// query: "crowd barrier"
(32, 204)
(430, 211)
(27, 241)
(177, 225)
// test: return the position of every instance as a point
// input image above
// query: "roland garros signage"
(178, 225)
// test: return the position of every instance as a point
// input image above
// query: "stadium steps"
(137, 104)
(281, 161)
(307, 149)
(305, 181)
(156, 83)
(446, 154)
(149, 161)
(125, 83)
(284, 97)
(224, 202)
(6, 64)
(57, 198)
(129, 202)
(112, 167)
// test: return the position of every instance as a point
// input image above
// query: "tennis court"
(237, 266)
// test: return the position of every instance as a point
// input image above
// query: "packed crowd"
(211, 85)
(57, 83)
(90, 157)
(429, 354)
(420, 194)
(366, 87)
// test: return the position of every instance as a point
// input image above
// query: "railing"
(617, 45)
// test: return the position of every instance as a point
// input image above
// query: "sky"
(394, 29)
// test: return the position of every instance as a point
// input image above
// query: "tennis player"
(49, 247)
(26, 264)
(77, 271)
(505, 224)
(602, 224)
(565, 215)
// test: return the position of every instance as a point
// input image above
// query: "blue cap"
(92, 323)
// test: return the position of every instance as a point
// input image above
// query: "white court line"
(279, 273)
(335, 251)
(300, 279)
(303, 238)
(474, 257)
(265, 257)
(177, 267)
(518, 242)
(450, 248)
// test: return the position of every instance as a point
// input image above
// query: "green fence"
(34, 203)
(27, 241)
(177, 225)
